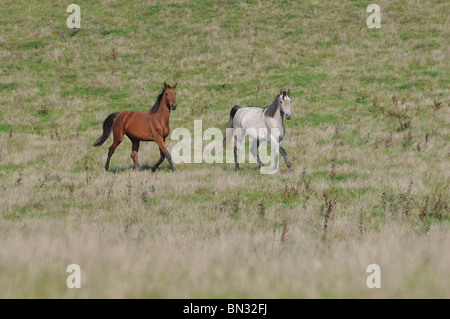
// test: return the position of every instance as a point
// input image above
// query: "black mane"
(154, 109)
(271, 109)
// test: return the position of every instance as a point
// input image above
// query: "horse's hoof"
(153, 169)
(237, 169)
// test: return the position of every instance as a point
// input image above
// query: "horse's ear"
(281, 92)
(165, 85)
(289, 91)
(173, 87)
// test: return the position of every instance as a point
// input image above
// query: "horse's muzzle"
(173, 106)
(288, 116)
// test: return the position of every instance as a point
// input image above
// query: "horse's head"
(171, 96)
(285, 103)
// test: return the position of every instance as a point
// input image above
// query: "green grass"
(318, 119)
(8, 86)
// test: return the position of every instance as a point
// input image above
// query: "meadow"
(368, 142)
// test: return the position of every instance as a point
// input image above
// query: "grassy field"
(369, 142)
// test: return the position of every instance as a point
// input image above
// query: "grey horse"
(261, 124)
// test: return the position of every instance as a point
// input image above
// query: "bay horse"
(152, 125)
(259, 124)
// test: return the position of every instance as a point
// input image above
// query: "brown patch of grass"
(285, 232)
(328, 208)
(407, 140)
(437, 105)
(403, 125)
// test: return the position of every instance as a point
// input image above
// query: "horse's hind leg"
(237, 145)
(134, 153)
(111, 152)
(254, 151)
(116, 142)
(283, 153)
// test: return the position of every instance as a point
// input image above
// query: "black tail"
(227, 139)
(107, 128)
(233, 112)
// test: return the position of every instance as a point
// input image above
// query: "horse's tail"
(107, 128)
(229, 133)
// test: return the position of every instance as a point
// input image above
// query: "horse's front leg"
(254, 151)
(237, 145)
(164, 152)
(161, 159)
(275, 150)
(283, 153)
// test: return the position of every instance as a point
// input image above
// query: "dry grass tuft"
(328, 209)
(437, 105)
